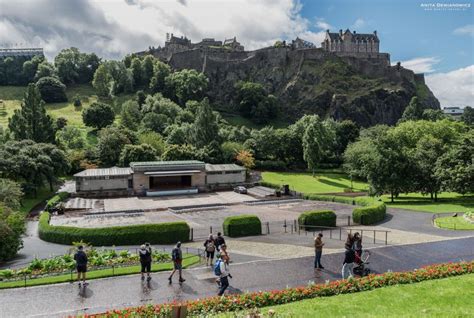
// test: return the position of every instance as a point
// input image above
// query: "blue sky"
(406, 30)
(437, 42)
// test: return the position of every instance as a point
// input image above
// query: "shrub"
(55, 200)
(329, 198)
(162, 233)
(270, 185)
(77, 101)
(98, 115)
(317, 218)
(52, 90)
(369, 214)
(242, 225)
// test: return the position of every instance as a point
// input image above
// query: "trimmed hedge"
(370, 214)
(270, 185)
(242, 225)
(363, 201)
(162, 233)
(317, 218)
(55, 200)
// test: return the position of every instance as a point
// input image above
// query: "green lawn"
(238, 120)
(447, 202)
(187, 261)
(457, 223)
(323, 182)
(449, 297)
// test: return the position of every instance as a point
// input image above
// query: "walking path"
(63, 299)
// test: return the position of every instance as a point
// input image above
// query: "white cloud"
(455, 88)
(421, 64)
(323, 25)
(359, 23)
(465, 30)
(114, 28)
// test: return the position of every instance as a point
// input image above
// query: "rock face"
(365, 89)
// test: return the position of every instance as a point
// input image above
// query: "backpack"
(217, 268)
(175, 254)
(210, 246)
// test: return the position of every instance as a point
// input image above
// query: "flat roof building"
(157, 178)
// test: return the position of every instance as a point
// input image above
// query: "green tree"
(155, 122)
(427, 151)
(180, 152)
(468, 116)
(111, 141)
(130, 116)
(205, 125)
(11, 243)
(75, 67)
(134, 153)
(45, 69)
(230, 149)
(186, 85)
(433, 114)
(52, 90)
(254, 102)
(137, 71)
(179, 134)
(153, 139)
(10, 193)
(98, 115)
(160, 72)
(30, 67)
(346, 132)
(31, 120)
(71, 137)
(455, 168)
(147, 67)
(101, 81)
(312, 148)
(414, 110)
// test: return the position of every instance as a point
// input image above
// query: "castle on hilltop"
(176, 44)
(351, 42)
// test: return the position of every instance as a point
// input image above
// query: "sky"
(435, 38)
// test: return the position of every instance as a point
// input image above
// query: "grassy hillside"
(12, 97)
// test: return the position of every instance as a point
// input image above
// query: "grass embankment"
(437, 298)
(188, 260)
(13, 95)
(457, 223)
(324, 181)
(30, 201)
(333, 182)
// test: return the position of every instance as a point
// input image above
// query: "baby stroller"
(360, 268)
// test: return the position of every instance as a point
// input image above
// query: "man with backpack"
(177, 257)
(210, 247)
(81, 265)
(145, 260)
(221, 269)
(219, 241)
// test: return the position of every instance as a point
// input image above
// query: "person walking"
(318, 246)
(348, 263)
(219, 241)
(145, 260)
(81, 265)
(357, 247)
(177, 257)
(225, 257)
(222, 270)
(210, 246)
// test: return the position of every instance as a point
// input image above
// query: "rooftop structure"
(351, 42)
(453, 111)
(30, 52)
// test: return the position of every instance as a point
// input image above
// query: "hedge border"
(325, 218)
(242, 225)
(261, 299)
(370, 214)
(160, 233)
(56, 199)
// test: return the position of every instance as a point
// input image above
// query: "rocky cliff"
(364, 89)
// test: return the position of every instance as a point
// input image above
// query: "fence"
(25, 277)
(292, 227)
(451, 223)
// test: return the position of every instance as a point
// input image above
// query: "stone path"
(63, 299)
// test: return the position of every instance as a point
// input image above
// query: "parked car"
(240, 189)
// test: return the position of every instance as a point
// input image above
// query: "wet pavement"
(63, 299)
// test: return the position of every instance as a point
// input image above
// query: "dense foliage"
(52, 90)
(369, 214)
(98, 115)
(415, 156)
(162, 233)
(242, 225)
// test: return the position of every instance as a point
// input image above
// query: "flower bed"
(278, 297)
(98, 259)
